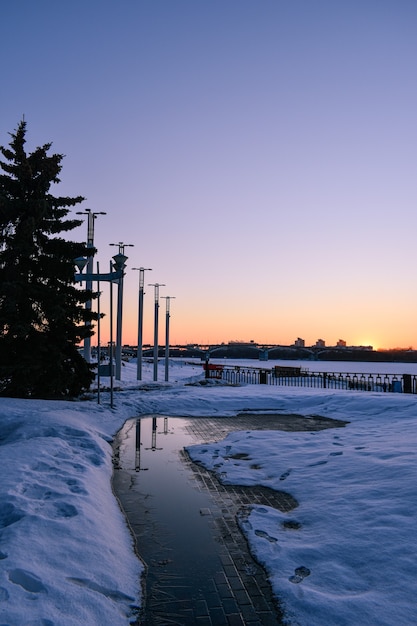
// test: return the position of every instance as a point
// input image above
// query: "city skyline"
(260, 157)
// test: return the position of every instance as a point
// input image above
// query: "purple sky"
(260, 155)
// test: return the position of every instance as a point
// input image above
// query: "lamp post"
(111, 338)
(112, 276)
(155, 341)
(91, 216)
(142, 271)
(167, 316)
(120, 264)
(98, 334)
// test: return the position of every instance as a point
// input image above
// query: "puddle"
(198, 567)
(169, 520)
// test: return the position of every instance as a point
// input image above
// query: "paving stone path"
(230, 588)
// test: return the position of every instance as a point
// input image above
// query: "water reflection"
(138, 443)
(154, 427)
(153, 446)
(185, 532)
(164, 504)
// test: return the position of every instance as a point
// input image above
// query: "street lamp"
(167, 316)
(142, 271)
(81, 262)
(89, 283)
(112, 276)
(120, 264)
(155, 341)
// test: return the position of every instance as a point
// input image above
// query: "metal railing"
(298, 377)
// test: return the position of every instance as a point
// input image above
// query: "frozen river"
(354, 367)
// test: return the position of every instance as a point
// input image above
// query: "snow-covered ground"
(345, 556)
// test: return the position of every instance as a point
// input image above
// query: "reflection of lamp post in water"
(155, 341)
(167, 316)
(89, 283)
(120, 264)
(140, 319)
(137, 447)
(153, 443)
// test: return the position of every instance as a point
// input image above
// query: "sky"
(66, 552)
(260, 156)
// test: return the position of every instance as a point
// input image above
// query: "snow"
(344, 556)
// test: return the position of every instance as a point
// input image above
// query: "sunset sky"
(260, 155)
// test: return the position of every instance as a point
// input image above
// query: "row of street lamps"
(116, 274)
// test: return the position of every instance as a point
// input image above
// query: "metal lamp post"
(120, 264)
(142, 271)
(111, 337)
(89, 283)
(112, 276)
(98, 334)
(167, 316)
(155, 341)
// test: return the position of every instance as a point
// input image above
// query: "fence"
(298, 377)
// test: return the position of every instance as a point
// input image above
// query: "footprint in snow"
(64, 510)
(299, 574)
(9, 514)
(291, 524)
(75, 487)
(285, 475)
(262, 533)
(25, 579)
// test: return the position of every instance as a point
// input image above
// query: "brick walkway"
(233, 590)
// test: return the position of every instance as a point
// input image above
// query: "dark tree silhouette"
(42, 313)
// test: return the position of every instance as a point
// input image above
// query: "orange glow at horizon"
(228, 306)
(205, 329)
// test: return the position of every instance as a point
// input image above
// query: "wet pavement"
(199, 570)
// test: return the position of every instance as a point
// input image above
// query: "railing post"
(407, 383)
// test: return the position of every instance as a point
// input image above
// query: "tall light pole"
(111, 338)
(112, 276)
(167, 316)
(120, 263)
(89, 283)
(155, 340)
(142, 271)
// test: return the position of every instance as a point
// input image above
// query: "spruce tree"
(42, 312)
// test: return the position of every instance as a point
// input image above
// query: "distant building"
(320, 343)
(341, 343)
(299, 343)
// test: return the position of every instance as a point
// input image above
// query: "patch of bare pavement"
(199, 570)
(259, 420)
